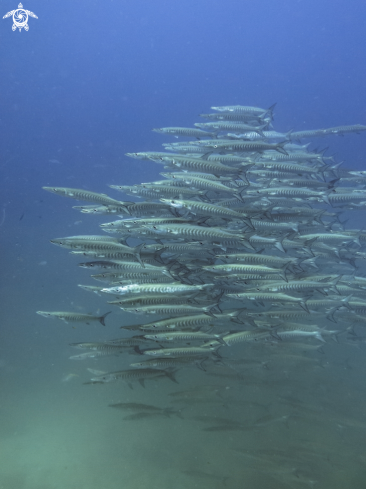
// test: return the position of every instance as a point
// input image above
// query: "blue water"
(82, 87)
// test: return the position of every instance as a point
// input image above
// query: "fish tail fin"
(270, 109)
(259, 130)
(288, 134)
(200, 364)
(318, 336)
(157, 255)
(171, 375)
(280, 148)
(345, 301)
(243, 178)
(318, 216)
(137, 253)
(238, 195)
(325, 196)
(279, 245)
(309, 261)
(208, 310)
(332, 183)
(102, 318)
(248, 222)
(331, 313)
(282, 273)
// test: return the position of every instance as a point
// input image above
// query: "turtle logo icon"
(20, 18)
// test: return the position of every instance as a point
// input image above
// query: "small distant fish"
(129, 376)
(144, 410)
(69, 377)
(206, 475)
(74, 317)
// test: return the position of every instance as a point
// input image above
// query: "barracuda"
(168, 362)
(102, 209)
(183, 336)
(249, 146)
(245, 109)
(198, 233)
(80, 194)
(74, 317)
(136, 223)
(181, 352)
(236, 116)
(267, 297)
(245, 268)
(184, 131)
(244, 336)
(129, 376)
(201, 165)
(125, 278)
(303, 193)
(100, 244)
(205, 209)
(170, 310)
(173, 288)
(187, 322)
(231, 126)
(207, 184)
(258, 258)
(121, 265)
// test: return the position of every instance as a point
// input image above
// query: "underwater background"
(85, 85)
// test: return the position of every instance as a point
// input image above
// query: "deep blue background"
(89, 80)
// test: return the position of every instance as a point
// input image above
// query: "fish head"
(102, 379)
(138, 365)
(136, 155)
(152, 353)
(55, 190)
(210, 268)
(177, 204)
(46, 314)
(151, 336)
(58, 241)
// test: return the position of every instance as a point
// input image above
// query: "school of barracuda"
(243, 242)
